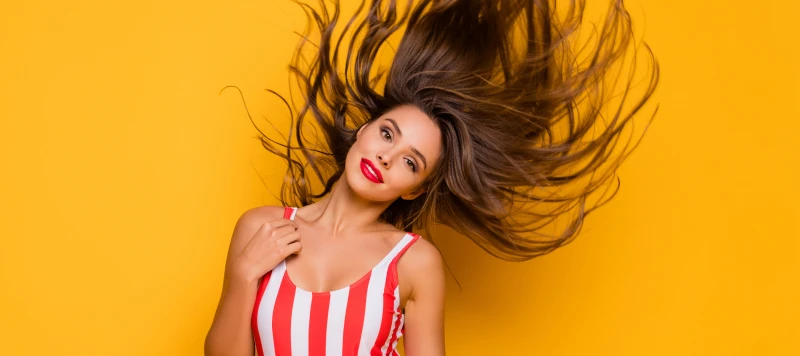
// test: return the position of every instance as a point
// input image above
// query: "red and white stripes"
(361, 319)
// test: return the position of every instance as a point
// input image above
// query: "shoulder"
(424, 303)
(422, 266)
(260, 215)
(252, 220)
(422, 252)
(248, 225)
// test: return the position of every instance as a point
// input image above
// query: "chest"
(326, 264)
(337, 296)
(362, 319)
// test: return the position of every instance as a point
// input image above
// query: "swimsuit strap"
(289, 213)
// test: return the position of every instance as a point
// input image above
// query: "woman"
(492, 120)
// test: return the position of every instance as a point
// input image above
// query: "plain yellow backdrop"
(123, 171)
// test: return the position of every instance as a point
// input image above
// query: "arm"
(424, 311)
(230, 332)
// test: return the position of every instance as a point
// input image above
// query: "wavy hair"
(534, 122)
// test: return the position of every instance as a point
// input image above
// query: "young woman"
(492, 120)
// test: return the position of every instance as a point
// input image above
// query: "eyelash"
(385, 131)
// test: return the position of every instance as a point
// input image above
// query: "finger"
(285, 220)
(278, 223)
(267, 229)
(292, 248)
(292, 237)
(282, 231)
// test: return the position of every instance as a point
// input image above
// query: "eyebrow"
(413, 149)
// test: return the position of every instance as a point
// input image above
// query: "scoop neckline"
(351, 285)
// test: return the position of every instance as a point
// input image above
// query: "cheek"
(369, 140)
(361, 146)
(367, 146)
(404, 181)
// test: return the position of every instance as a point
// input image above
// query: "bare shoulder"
(421, 253)
(421, 267)
(255, 217)
(262, 214)
(250, 221)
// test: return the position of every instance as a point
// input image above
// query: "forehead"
(417, 128)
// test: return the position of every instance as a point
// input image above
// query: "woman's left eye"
(411, 164)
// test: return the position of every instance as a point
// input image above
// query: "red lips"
(370, 171)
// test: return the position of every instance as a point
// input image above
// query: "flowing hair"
(533, 121)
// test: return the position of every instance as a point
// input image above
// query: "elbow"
(213, 346)
(216, 345)
(208, 346)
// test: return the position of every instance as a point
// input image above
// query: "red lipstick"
(370, 171)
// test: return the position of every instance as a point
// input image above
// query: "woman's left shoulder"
(422, 250)
(421, 275)
(421, 259)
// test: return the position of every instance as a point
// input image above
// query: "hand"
(271, 244)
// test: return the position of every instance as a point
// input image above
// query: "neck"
(343, 211)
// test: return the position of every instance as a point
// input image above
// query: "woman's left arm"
(424, 311)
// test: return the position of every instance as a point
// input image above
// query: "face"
(393, 155)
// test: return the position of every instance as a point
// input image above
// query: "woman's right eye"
(386, 135)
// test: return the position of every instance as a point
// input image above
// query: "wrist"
(242, 275)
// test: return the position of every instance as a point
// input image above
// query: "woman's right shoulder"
(261, 214)
(252, 220)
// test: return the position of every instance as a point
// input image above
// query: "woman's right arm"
(261, 239)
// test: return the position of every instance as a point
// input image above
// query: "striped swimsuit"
(363, 318)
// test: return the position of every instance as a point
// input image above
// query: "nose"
(384, 160)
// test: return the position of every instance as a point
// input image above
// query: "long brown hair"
(530, 137)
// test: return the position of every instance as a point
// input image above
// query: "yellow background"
(123, 172)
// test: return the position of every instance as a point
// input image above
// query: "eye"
(386, 134)
(411, 164)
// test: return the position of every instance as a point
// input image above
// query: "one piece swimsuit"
(363, 318)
